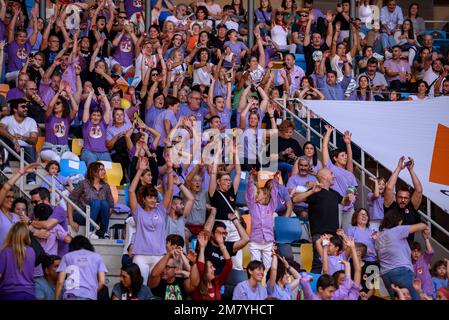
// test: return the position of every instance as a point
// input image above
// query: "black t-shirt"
(218, 44)
(217, 201)
(170, 291)
(214, 255)
(344, 24)
(98, 81)
(34, 75)
(284, 144)
(36, 112)
(410, 216)
(323, 211)
(308, 55)
(49, 57)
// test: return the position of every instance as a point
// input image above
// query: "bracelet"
(179, 185)
(30, 222)
(22, 172)
(234, 219)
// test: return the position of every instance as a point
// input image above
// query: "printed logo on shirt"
(173, 292)
(59, 129)
(137, 3)
(22, 53)
(419, 271)
(95, 132)
(125, 45)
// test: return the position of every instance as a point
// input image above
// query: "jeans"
(89, 156)
(387, 41)
(99, 212)
(30, 157)
(403, 278)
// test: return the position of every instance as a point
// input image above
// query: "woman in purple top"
(310, 152)
(343, 168)
(263, 15)
(361, 232)
(363, 91)
(17, 265)
(150, 218)
(154, 99)
(58, 117)
(394, 252)
(124, 44)
(278, 285)
(85, 272)
(252, 288)
(95, 129)
(376, 203)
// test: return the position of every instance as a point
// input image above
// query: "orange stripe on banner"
(439, 170)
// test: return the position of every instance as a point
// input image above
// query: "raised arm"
(391, 183)
(325, 145)
(418, 193)
(87, 105)
(244, 238)
(44, 44)
(107, 105)
(376, 192)
(274, 268)
(347, 140)
(168, 194)
(261, 50)
(12, 25)
(334, 40)
(243, 101)
(141, 166)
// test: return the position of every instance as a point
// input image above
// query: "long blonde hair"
(18, 238)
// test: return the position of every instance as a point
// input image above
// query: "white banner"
(389, 130)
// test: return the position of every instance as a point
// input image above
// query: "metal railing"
(54, 190)
(282, 103)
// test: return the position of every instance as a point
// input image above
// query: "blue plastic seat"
(287, 230)
(72, 167)
(240, 200)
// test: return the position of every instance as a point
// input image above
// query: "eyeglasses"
(122, 17)
(196, 98)
(170, 267)
(224, 233)
(35, 202)
(24, 107)
(154, 74)
(33, 89)
(304, 15)
(58, 102)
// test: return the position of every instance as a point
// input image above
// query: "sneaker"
(106, 236)
(93, 236)
(31, 183)
(7, 170)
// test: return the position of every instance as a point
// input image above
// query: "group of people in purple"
(188, 111)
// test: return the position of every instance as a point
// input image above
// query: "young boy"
(421, 262)
(368, 273)
(330, 249)
(325, 287)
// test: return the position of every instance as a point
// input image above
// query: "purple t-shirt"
(167, 114)
(236, 48)
(343, 179)
(14, 93)
(69, 75)
(18, 55)
(219, 89)
(82, 268)
(225, 118)
(393, 249)
(185, 111)
(283, 198)
(151, 115)
(5, 225)
(243, 291)
(94, 136)
(297, 180)
(259, 125)
(124, 53)
(150, 231)
(334, 264)
(280, 293)
(57, 130)
(363, 236)
(421, 269)
(132, 6)
(376, 207)
(12, 279)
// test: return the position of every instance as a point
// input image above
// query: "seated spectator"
(131, 285)
(391, 19)
(422, 91)
(417, 21)
(325, 287)
(252, 288)
(376, 80)
(288, 149)
(46, 285)
(328, 85)
(361, 232)
(406, 38)
(398, 71)
(439, 276)
(278, 284)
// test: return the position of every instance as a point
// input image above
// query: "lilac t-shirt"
(225, 118)
(57, 130)
(12, 279)
(297, 180)
(376, 207)
(236, 48)
(185, 111)
(82, 268)
(50, 245)
(14, 93)
(159, 124)
(363, 236)
(60, 215)
(243, 291)
(334, 264)
(280, 293)
(5, 225)
(94, 136)
(343, 179)
(124, 53)
(393, 249)
(151, 115)
(150, 231)
(69, 75)
(421, 269)
(18, 54)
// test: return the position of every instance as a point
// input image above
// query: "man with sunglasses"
(20, 131)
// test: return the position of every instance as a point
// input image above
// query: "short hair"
(372, 60)
(332, 71)
(355, 215)
(253, 265)
(43, 211)
(396, 46)
(144, 192)
(14, 103)
(362, 248)
(286, 124)
(325, 281)
(170, 101)
(43, 193)
(416, 246)
(336, 153)
(337, 241)
(218, 224)
(392, 218)
(175, 239)
(20, 200)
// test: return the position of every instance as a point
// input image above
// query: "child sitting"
(421, 262)
(53, 170)
(278, 284)
(440, 275)
(330, 249)
(261, 205)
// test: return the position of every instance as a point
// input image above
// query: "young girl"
(261, 205)
(376, 203)
(53, 170)
(278, 284)
(252, 288)
(440, 275)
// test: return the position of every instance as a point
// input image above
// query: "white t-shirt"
(257, 75)
(202, 75)
(279, 35)
(24, 128)
(429, 77)
(178, 23)
(231, 25)
(337, 65)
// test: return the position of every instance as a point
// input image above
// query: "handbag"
(236, 212)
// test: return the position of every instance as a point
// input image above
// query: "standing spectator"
(361, 232)
(394, 252)
(375, 200)
(421, 263)
(405, 202)
(418, 22)
(81, 266)
(17, 259)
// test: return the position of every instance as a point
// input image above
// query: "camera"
(407, 161)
